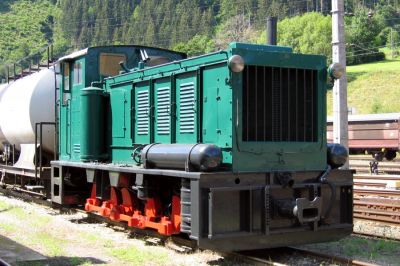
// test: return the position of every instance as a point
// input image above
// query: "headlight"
(236, 63)
(336, 71)
(337, 155)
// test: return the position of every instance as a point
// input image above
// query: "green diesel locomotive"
(228, 148)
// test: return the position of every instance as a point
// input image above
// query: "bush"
(365, 58)
(310, 33)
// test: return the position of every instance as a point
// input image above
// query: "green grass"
(358, 246)
(38, 236)
(31, 229)
(380, 251)
(72, 261)
(8, 228)
(79, 261)
(20, 213)
(373, 87)
(136, 256)
(53, 246)
(4, 206)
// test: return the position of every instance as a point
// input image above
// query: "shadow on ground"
(14, 253)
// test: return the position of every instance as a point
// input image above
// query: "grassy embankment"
(373, 87)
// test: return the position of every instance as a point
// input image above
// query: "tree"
(310, 33)
(235, 29)
(277, 9)
(361, 35)
(199, 44)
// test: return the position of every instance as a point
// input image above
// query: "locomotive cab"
(86, 69)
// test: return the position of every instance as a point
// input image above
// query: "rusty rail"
(279, 256)
(381, 192)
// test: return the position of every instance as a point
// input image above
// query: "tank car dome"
(24, 103)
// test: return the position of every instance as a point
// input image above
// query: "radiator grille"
(279, 104)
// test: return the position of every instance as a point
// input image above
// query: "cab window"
(66, 77)
(109, 64)
(77, 73)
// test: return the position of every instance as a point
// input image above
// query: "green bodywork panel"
(117, 138)
(200, 100)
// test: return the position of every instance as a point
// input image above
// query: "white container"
(24, 103)
(3, 87)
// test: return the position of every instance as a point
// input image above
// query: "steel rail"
(376, 192)
(377, 177)
(358, 182)
(375, 216)
(366, 157)
(363, 166)
(375, 236)
(333, 258)
(276, 255)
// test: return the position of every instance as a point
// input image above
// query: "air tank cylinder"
(92, 124)
(199, 157)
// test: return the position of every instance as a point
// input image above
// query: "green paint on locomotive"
(79, 70)
(269, 117)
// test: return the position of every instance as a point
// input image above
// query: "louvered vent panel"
(163, 105)
(279, 104)
(186, 108)
(143, 113)
(77, 148)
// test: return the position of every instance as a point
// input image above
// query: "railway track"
(377, 198)
(279, 256)
(275, 256)
(384, 167)
(368, 157)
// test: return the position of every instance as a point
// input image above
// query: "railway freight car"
(27, 110)
(376, 134)
(228, 148)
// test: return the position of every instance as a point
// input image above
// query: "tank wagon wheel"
(390, 155)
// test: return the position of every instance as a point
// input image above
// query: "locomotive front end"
(284, 188)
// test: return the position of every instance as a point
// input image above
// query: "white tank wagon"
(3, 88)
(24, 103)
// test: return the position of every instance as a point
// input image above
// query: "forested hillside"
(25, 26)
(193, 26)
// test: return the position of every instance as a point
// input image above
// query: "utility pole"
(340, 112)
(391, 42)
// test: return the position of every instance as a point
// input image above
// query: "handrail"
(27, 62)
